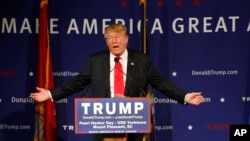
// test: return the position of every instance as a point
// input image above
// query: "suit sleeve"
(74, 85)
(161, 83)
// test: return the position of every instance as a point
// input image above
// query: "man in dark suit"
(137, 69)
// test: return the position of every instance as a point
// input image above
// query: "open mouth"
(115, 47)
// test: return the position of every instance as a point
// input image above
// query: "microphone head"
(116, 59)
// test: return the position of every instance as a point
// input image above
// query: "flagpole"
(144, 49)
(143, 27)
(45, 118)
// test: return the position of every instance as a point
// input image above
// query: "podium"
(112, 138)
(114, 118)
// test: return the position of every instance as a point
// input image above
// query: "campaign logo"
(112, 115)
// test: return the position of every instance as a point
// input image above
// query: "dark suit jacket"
(140, 72)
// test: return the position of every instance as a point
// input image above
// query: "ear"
(126, 40)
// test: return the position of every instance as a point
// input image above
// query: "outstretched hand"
(41, 95)
(194, 98)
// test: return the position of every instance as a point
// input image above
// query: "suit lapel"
(105, 70)
(130, 69)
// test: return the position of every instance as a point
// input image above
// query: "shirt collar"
(124, 56)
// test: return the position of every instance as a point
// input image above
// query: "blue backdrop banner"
(200, 45)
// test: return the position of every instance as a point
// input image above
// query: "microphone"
(116, 59)
(85, 91)
(87, 88)
(142, 92)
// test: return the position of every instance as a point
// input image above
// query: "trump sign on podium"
(112, 115)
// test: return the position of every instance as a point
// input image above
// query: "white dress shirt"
(123, 61)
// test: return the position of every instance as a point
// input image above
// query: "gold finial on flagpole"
(142, 1)
(43, 3)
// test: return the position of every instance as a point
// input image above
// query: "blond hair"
(116, 27)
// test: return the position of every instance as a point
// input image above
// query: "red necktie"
(118, 76)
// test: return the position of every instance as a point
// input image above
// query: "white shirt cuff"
(50, 96)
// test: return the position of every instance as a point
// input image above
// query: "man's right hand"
(41, 95)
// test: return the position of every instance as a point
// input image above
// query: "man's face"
(116, 42)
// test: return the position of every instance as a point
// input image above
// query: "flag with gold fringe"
(45, 120)
(144, 49)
